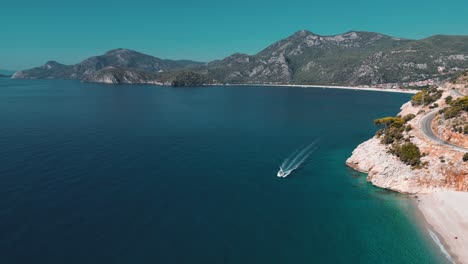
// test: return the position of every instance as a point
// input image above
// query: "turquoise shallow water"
(143, 174)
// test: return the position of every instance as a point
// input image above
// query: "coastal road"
(426, 128)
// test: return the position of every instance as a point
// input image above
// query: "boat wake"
(296, 159)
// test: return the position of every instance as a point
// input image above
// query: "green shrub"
(391, 132)
(392, 128)
(408, 117)
(465, 157)
(408, 153)
(461, 102)
(418, 98)
(389, 122)
(456, 107)
(426, 97)
(448, 99)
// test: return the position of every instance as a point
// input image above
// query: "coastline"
(445, 213)
(441, 212)
(428, 229)
(355, 88)
(440, 188)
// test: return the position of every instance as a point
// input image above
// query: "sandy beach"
(446, 212)
(356, 88)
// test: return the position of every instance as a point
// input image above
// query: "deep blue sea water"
(94, 173)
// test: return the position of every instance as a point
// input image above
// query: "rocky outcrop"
(384, 169)
(387, 171)
(442, 167)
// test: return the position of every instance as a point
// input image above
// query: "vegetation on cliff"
(392, 128)
(426, 97)
(408, 153)
(392, 132)
(456, 107)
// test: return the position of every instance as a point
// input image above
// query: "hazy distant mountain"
(181, 77)
(350, 58)
(122, 59)
(115, 75)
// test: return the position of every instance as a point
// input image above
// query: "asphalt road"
(426, 128)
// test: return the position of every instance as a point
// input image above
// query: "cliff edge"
(432, 128)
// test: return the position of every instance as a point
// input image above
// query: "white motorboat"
(282, 173)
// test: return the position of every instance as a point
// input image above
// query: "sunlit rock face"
(443, 167)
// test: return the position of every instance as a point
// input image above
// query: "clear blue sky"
(36, 31)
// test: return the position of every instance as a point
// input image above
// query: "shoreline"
(446, 215)
(440, 188)
(429, 230)
(355, 88)
(440, 212)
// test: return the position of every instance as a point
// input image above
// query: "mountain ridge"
(349, 58)
(119, 58)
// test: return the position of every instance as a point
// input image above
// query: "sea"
(96, 173)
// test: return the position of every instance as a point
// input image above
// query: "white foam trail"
(298, 157)
(287, 160)
(442, 248)
(299, 163)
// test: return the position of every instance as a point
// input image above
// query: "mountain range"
(351, 58)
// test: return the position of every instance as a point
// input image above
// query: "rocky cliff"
(441, 165)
